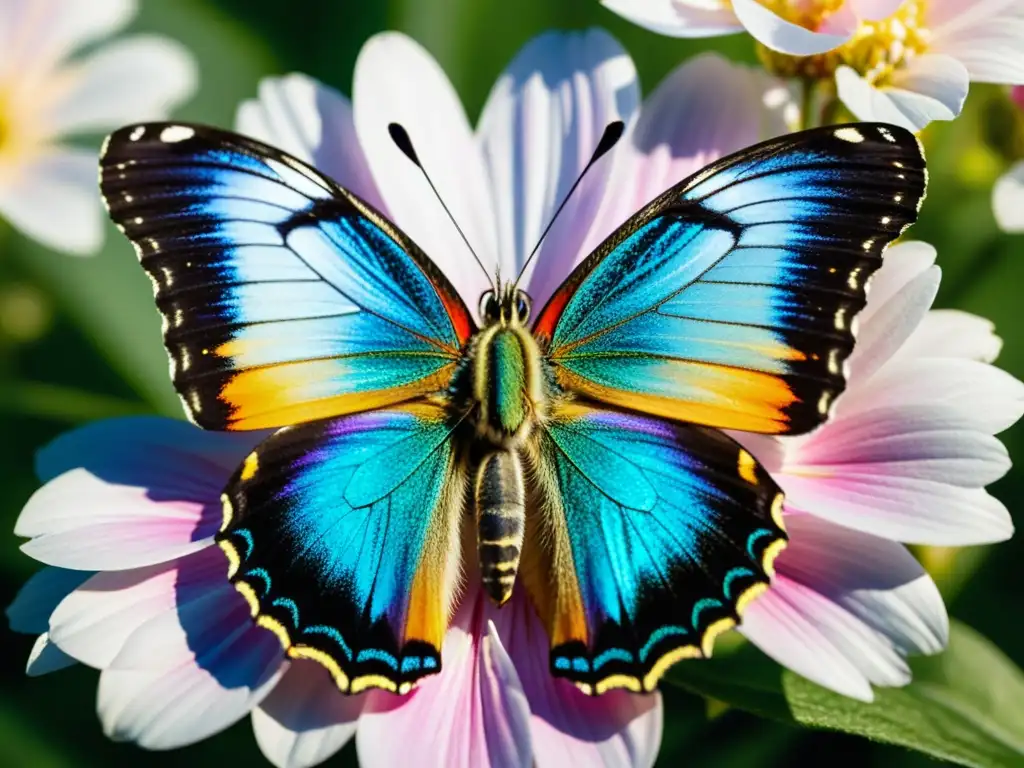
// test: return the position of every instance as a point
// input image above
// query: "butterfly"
(583, 443)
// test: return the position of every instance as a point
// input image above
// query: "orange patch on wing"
(268, 397)
(426, 619)
(750, 401)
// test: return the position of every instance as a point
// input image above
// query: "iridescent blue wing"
(343, 535)
(285, 298)
(729, 301)
(653, 537)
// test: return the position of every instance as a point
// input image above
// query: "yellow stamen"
(877, 49)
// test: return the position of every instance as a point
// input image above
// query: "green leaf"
(965, 705)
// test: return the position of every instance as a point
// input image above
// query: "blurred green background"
(79, 339)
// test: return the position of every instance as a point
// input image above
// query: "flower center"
(876, 50)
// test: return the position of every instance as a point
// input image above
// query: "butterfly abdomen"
(501, 522)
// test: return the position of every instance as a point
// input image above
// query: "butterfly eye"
(523, 306)
(488, 307)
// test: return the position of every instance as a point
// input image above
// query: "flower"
(128, 509)
(1008, 192)
(47, 186)
(905, 458)
(906, 62)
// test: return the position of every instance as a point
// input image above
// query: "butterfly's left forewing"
(730, 300)
(285, 298)
(649, 540)
(343, 535)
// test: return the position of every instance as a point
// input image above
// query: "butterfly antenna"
(401, 138)
(612, 133)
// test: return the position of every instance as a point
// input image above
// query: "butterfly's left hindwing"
(285, 298)
(649, 540)
(343, 535)
(730, 300)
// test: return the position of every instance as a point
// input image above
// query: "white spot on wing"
(137, 133)
(849, 134)
(175, 133)
(887, 135)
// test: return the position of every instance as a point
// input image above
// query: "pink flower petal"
(986, 37)
(46, 657)
(474, 713)
(144, 491)
(95, 621)
(305, 719)
(39, 596)
(397, 81)
(772, 30)
(542, 121)
(845, 608)
(187, 674)
(990, 398)
(703, 110)
(678, 18)
(901, 508)
(953, 333)
(314, 123)
(570, 728)
(875, 10)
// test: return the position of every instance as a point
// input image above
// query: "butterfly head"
(505, 305)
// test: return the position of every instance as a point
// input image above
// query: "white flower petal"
(94, 622)
(41, 32)
(314, 123)
(55, 200)
(542, 121)
(305, 719)
(138, 78)
(46, 657)
(930, 87)
(778, 34)
(889, 327)
(959, 388)
(40, 595)
(901, 263)
(953, 333)
(397, 81)
(81, 522)
(1008, 199)
(846, 608)
(987, 37)
(878, 581)
(188, 674)
(875, 10)
(678, 18)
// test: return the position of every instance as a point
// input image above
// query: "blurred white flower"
(1008, 193)
(906, 62)
(47, 187)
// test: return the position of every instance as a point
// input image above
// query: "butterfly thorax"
(506, 373)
